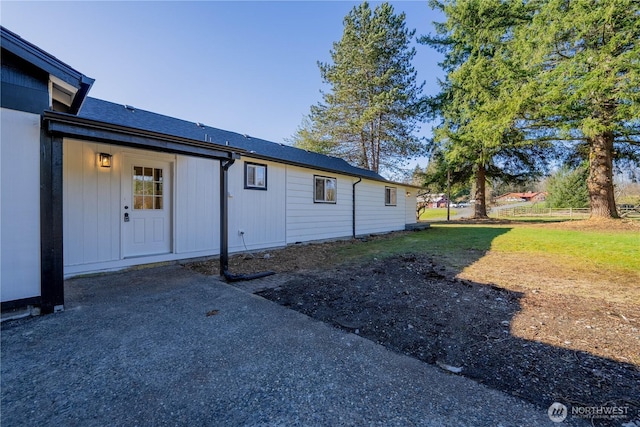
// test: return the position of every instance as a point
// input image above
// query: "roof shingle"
(118, 114)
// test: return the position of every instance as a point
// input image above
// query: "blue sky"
(248, 67)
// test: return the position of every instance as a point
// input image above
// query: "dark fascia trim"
(50, 64)
(80, 97)
(308, 166)
(324, 169)
(71, 126)
(43, 60)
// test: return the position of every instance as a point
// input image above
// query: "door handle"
(126, 217)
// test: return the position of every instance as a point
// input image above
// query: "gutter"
(224, 229)
(288, 162)
(353, 206)
(69, 125)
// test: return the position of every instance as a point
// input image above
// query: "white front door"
(146, 207)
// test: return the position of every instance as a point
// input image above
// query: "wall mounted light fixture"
(104, 160)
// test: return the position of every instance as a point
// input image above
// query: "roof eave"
(324, 169)
(66, 124)
(48, 63)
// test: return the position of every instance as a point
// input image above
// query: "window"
(325, 189)
(255, 176)
(390, 196)
(147, 188)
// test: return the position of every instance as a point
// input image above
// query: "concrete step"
(417, 226)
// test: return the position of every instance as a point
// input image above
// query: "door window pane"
(147, 203)
(137, 202)
(147, 188)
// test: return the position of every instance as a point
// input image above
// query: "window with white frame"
(325, 189)
(390, 196)
(255, 176)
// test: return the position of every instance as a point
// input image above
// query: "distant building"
(530, 196)
(436, 200)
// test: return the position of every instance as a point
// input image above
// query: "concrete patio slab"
(167, 346)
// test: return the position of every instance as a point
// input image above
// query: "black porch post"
(224, 215)
(51, 257)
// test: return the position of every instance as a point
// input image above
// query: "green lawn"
(604, 249)
(578, 262)
(435, 213)
(613, 248)
(456, 244)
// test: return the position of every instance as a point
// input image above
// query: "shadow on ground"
(413, 305)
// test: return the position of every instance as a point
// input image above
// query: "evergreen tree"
(308, 137)
(370, 115)
(584, 62)
(477, 104)
(567, 188)
(439, 176)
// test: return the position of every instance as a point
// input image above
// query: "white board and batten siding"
(91, 204)
(260, 214)
(19, 205)
(197, 206)
(93, 207)
(372, 215)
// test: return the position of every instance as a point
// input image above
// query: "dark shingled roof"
(118, 114)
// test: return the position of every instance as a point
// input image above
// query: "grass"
(459, 245)
(435, 213)
(604, 264)
(606, 250)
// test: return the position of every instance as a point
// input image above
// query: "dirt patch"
(542, 348)
(547, 273)
(531, 337)
(596, 224)
(294, 258)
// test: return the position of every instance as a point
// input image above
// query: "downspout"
(353, 206)
(224, 229)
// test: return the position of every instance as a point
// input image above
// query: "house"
(434, 200)
(88, 185)
(528, 196)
